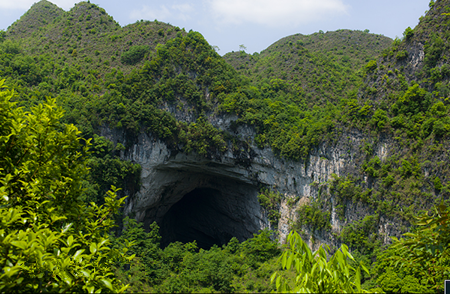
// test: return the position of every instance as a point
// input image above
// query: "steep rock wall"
(168, 175)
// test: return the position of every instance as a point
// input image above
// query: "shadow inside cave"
(206, 216)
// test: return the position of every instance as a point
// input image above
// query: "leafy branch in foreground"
(314, 273)
(50, 241)
(427, 249)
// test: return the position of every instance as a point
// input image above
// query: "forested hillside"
(325, 65)
(80, 70)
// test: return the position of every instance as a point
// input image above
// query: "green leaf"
(364, 268)
(77, 256)
(273, 276)
(10, 271)
(131, 257)
(278, 282)
(289, 262)
(107, 284)
(70, 240)
(123, 288)
(20, 244)
(283, 260)
(66, 277)
(66, 228)
(93, 248)
(102, 243)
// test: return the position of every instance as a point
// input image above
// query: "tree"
(134, 54)
(2, 35)
(242, 47)
(314, 273)
(49, 240)
(426, 250)
(408, 33)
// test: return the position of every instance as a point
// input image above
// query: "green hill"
(102, 73)
(35, 19)
(87, 35)
(325, 65)
(352, 47)
(404, 101)
(302, 91)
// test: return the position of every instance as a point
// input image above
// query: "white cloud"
(163, 12)
(151, 13)
(275, 13)
(26, 4)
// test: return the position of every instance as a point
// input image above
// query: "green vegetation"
(361, 236)
(50, 240)
(234, 267)
(419, 261)
(311, 215)
(316, 272)
(381, 101)
(134, 54)
(107, 169)
(271, 202)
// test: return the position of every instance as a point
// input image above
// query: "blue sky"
(254, 23)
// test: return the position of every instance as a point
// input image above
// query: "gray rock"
(228, 185)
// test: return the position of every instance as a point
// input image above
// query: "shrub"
(134, 54)
(371, 66)
(313, 216)
(402, 55)
(408, 33)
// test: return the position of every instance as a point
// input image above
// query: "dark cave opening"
(205, 216)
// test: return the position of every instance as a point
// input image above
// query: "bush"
(408, 33)
(371, 66)
(134, 54)
(419, 260)
(271, 201)
(313, 216)
(402, 55)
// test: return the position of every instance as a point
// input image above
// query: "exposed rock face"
(212, 200)
(191, 197)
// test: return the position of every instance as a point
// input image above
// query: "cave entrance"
(208, 216)
(208, 206)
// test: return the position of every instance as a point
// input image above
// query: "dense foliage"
(316, 272)
(301, 92)
(50, 241)
(324, 65)
(234, 267)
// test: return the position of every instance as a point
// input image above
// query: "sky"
(256, 24)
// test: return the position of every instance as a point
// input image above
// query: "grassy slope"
(325, 65)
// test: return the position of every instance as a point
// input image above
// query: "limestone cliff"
(229, 184)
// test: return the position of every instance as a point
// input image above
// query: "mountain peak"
(39, 15)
